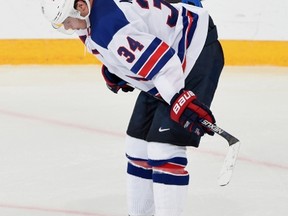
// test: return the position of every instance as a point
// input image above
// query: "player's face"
(82, 7)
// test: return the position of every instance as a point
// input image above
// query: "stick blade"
(229, 164)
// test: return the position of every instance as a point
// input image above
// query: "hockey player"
(171, 53)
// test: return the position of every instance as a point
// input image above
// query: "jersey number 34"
(128, 53)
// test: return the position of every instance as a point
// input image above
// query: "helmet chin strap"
(87, 22)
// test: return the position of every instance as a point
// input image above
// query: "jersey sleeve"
(150, 58)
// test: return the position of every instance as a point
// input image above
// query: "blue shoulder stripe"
(106, 19)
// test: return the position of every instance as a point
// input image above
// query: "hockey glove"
(115, 83)
(187, 111)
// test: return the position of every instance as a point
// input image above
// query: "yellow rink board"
(71, 51)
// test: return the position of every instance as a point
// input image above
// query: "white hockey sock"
(139, 196)
(170, 178)
(139, 179)
(169, 199)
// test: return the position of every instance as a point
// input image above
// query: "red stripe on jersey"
(189, 27)
(184, 64)
(153, 59)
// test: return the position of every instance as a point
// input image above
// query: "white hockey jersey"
(151, 44)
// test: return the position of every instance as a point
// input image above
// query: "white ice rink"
(62, 144)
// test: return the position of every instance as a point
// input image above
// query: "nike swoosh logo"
(163, 129)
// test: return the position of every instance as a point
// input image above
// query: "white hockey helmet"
(56, 11)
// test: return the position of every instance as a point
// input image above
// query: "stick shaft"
(231, 139)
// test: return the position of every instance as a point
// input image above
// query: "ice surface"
(62, 144)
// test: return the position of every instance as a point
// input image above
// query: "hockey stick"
(231, 157)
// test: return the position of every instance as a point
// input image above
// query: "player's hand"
(115, 83)
(187, 111)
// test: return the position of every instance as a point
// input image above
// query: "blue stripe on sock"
(139, 171)
(169, 179)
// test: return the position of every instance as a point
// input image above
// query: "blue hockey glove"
(187, 111)
(115, 83)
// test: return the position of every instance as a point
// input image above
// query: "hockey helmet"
(56, 11)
